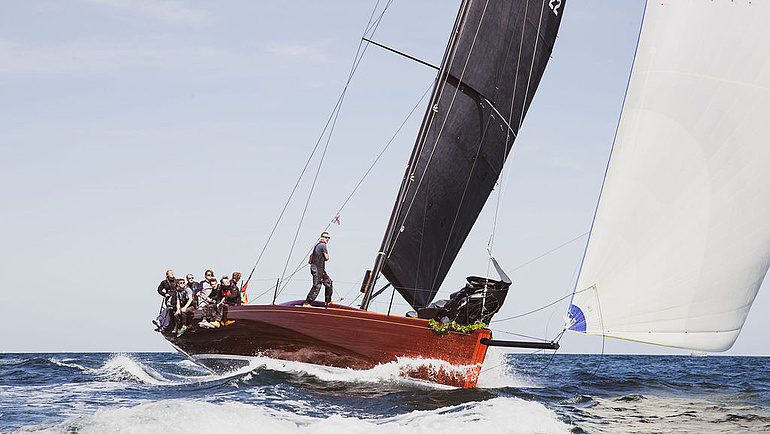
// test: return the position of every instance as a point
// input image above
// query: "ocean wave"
(68, 363)
(510, 415)
(497, 373)
(387, 376)
(124, 368)
(652, 413)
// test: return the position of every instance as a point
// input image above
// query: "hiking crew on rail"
(182, 297)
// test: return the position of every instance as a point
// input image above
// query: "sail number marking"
(555, 5)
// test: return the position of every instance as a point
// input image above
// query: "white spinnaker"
(681, 238)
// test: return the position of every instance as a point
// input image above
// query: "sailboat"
(493, 63)
(680, 241)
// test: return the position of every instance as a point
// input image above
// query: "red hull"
(339, 336)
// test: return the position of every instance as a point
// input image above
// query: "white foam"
(65, 364)
(510, 415)
(121, 367)
(497, 372)
(189, 364)
(388, 373)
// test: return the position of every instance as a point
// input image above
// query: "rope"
(601, 319)
(376, 160)
(532, 62)
(418, 155)
(285, 281)
(371, 26)
(478, 150)
(522, 335)
(333, 120)
(549, 252)
(539, 372)
(490, 244)
(535, 310)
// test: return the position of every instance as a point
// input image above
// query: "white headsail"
(681, 238)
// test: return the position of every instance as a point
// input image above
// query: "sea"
(516, 393)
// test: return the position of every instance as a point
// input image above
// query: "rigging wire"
(377, 159)
(539, 372)
(370, 27)
(507, 124)
(312, 186)
(521, 118)
(285, 281)
(335, 116)
(535, 310)
(417, 154)
(549, 252)
(542, 369)
(521, 335)
(550, 360)
(408, 116)
(490, 244)
(475, 160)
(601, 319)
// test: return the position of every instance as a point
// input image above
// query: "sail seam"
(506, 150)
(532, 62)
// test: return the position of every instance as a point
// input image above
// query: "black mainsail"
(493, 63)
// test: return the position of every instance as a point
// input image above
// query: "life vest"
(182, 296)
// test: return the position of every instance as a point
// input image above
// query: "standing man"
(317, 263)
(167, 286)
(167, 289)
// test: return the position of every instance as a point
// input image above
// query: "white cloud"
(89, 57)
(167, 10)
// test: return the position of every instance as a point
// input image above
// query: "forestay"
(681, 238)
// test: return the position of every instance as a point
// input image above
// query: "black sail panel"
(486, 82)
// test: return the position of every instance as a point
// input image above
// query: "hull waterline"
(339, 336)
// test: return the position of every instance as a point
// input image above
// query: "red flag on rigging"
(243, 293)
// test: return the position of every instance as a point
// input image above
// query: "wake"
(125, 368)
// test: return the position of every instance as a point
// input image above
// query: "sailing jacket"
(231, 294)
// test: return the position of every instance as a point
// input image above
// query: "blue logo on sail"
(577, 321)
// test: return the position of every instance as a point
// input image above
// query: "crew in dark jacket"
(229, 292)
(167, 289)
(229, 295)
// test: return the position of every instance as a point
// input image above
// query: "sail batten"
(681, 242)
(492, 65)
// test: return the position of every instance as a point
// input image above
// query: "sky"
(139, 136)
